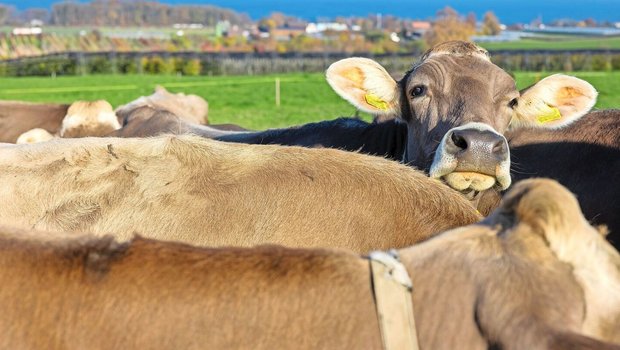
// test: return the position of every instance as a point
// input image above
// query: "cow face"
(457, 105)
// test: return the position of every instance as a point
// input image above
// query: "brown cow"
(147, 121)
(89, 118)
(182, 187)
(532, 276)
(458, 105)
(191, 108)
(83, 119)
(18, 117)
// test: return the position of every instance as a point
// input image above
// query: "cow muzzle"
(472, 157)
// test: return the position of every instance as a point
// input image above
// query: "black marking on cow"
(129, 170)
(405, 110)
(111, 151)
(95, 255)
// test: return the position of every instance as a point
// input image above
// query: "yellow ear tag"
(552, 114)
(376, 102)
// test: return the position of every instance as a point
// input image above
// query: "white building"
(314, 28)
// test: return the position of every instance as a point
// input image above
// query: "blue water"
(509, 11)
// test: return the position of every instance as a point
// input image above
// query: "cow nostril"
(499, 147)
(458, 140)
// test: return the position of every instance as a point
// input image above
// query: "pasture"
(556, 42)
(248, 101)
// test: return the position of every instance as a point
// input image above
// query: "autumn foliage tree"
(449, 25)
(490, 24)
(5, 13)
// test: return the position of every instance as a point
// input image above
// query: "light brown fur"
(497, 283)
(457, 49)
(148, 121)
(595, 263)
(35, 135)
(190, 108)
(89, 118)
(212, 193)
(18, 117)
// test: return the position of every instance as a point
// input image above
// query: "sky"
(508, 11)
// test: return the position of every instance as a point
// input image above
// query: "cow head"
(457, 105)
(89, 118)
(191, 108)
(534, 268)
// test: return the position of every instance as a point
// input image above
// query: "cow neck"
(392, 290)
(414, 152)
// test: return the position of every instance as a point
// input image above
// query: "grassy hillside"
(245, 100)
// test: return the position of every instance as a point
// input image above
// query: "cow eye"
(513, 103)
(418, 90)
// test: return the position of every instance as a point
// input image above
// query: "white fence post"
(277, 92)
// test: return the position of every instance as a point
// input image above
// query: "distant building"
(420, 25)
(506, 35)
(133, 34)
(578, 31)
(222, 28)
(417, 29)
(187, 26)
(315, 28)
(27, 31)
(285, 34)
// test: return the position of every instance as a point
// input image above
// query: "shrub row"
(102, 65)
(205, 65)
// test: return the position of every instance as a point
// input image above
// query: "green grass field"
(245, 100)
(556, 42)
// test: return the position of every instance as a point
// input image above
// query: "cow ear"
(160, 89)
(554, 102)
(365, 84)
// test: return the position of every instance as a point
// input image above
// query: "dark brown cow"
(17, 118)
(178, 188)
(533, 276)
(150, 121)
(458, 105)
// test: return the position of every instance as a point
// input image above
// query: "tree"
(36, 14)
(267, 24)
(6, 14)
(471, 19)
(490, 24)
(449, 25)
(279, 19)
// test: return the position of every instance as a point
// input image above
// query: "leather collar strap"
(392, 289)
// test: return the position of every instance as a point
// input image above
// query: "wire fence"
(209, 63)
